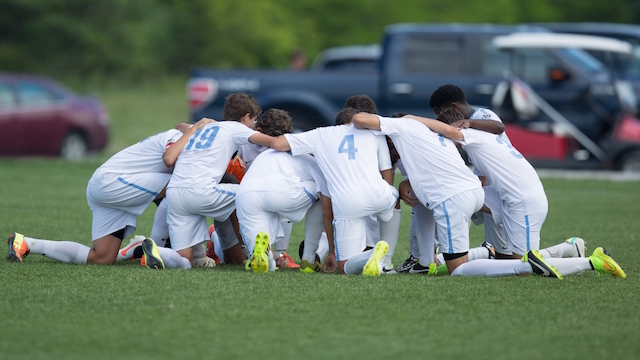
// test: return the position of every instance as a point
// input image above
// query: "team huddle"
(254, 178)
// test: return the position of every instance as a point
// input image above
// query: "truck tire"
(630, 162)
(74, 146)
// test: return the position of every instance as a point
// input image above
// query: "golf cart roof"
(557, 40)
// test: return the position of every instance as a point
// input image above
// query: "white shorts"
(493, 228)
(188, 209)
(373, 230)
(116, 201)
(453, 218)
(263, 211)
(522, 229)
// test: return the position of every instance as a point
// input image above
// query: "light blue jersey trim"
(310, 195)
(526, 222)
(446, 216)
(137, 187)
(224, 191)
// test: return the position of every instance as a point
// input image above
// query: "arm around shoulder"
(366, 121)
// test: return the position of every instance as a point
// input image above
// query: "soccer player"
(452, 97)
(279, 185)
(117, 193)
(524, 203)
(195, 192)
(348, 158)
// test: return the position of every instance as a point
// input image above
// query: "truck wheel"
(74, 146)
(630, 162)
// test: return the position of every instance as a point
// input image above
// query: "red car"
(40, 117)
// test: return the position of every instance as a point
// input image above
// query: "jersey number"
(204, 138)
(347, 146)
(514, 152)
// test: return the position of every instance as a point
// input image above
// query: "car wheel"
(630, 162)
(74, 147)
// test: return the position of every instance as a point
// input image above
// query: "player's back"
(204, 158)
(142, 157)
(348, 158)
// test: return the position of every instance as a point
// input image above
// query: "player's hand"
(330, 264)
(183, 127)
(406, 194)
(237, 159)
(202, 122)
(461, 124)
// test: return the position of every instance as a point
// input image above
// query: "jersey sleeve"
(484, 114)
(303, 143)
(241, 134)
(388, 126)
(384, 158)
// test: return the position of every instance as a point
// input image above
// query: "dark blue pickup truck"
(415, 60)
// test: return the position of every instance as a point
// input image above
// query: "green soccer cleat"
(539, 266)
(151, 256)
(259, 262)
(307, 267)
(603, 263)
(373, 267)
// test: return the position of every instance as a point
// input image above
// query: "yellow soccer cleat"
(539, 266)
(151, 256)
(373, 267)
(259, 262)
(603, 263)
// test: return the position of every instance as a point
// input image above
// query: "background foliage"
(146, 38)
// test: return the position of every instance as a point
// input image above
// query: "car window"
(532, 65)
(426, 55)
(494, 61)
(352, 65)
(7, 97)
(587, 61)
(34, 95)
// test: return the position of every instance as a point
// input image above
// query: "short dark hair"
(361, 102)
(398, 115)
(450, 115)
(238, 105)
(344, 116)
(275, 122)
(445, 95)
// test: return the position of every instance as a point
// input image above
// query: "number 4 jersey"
(205, 157)
(351, 161)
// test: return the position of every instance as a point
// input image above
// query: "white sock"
(281, 244)
(272, 262)
(199, 251)
(356, 263)
(389, 233)
(216, 246)
(486, 267)
(480, 252)
(313, 225)
(557, 251)
(569, 266)
(413, 237)
(323, 247)
(65, 251)
(160, 229)
(173, 260)
(426, 230)
(440, 259)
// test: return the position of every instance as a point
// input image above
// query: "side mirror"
(558, 74)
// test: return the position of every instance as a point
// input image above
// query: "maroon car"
(40, 117)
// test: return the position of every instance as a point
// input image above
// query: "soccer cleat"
(374, 266)
(18, 248)
(309, 268)
(204, 262)
(151, 256)
(492, 251)
(539, 266)
(407, 265)
(603, 263)
(579, 248)
(211, 252)
(421, 269)
(259, 262)
(126, 253)
(284, 261)
(390, 271)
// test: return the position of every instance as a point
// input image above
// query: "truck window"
(426, 55)
(494, 61)
(532, 65)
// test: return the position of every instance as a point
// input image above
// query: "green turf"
(54, 310)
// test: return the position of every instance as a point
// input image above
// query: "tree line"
(146, 38)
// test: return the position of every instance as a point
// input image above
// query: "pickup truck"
(416, 59)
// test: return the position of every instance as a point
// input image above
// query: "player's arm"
(406, 193)
(330, 262)
(279, 143)
(170, 155)
(492, 126)
(366, 121)
(261, 139)
(387, 175)
(439, 127)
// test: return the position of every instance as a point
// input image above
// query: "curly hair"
(275, 122)
(238, 105)
(450, 115)
(445, 95)
(344, 116)
(361, 102)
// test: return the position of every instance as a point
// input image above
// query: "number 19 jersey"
(349, 160)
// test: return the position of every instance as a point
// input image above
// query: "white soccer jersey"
(143, 157)
(249, 152)
(509, 172)
(434, 166)
(349, 160)
(486, 114)
(204, 159)
(277, 172)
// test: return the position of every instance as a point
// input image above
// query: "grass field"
(51, 310)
